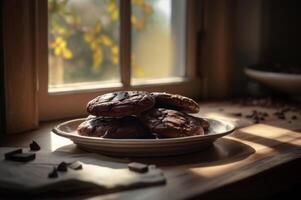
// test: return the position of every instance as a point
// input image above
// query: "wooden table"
(256, 161)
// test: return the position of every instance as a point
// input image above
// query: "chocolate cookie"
(176, 102)
(120, 104)
(205, 124)
(117, 128)
(171, 123)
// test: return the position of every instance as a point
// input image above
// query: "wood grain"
(217, 48)
(20, 66)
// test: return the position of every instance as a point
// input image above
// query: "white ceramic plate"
(144, 147)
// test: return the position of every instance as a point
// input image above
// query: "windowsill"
(83, 87)
(250, 151)
(101, 85)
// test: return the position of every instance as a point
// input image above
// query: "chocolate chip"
(294, 117)
(76, 165)
(62, 167)
(138, 167)
(34, 146)
(53, 173)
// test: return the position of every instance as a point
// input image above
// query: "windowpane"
(83, 41)
(158, 39)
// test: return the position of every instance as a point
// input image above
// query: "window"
(83, 42)
(87, 48)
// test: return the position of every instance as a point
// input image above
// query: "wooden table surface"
(255, 161)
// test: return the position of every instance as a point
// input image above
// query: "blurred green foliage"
(90, 47)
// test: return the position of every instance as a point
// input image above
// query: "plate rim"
(73, 137)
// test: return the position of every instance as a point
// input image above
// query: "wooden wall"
(2, 101)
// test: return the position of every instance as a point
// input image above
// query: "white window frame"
(71, 103)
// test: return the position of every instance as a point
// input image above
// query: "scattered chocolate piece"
(34, 146)
(53, 173)
(19, 156)
(138, 167)
(22, 157)
(258, 116)
(236, 114)
(294, 117)
(9, 154)
(76, 165)
(282, 117)
(269, 102)
(62, 167)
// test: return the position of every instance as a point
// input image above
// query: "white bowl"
(286, 83)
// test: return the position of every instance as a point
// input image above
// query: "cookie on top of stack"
(139, 114)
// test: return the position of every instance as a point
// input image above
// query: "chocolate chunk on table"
(22, 157)
(62, 167)
(53, 173)
(9, 154)
(138, 167)
(34, 146)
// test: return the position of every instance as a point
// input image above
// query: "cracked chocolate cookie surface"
(176, 102)
(171, 123)
(120, 104)
(116, 128)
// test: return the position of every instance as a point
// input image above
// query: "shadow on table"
(222, 151)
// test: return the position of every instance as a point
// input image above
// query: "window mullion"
(125, 42)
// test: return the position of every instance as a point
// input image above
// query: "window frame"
(67, 104)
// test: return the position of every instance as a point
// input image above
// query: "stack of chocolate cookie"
(139, 114)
